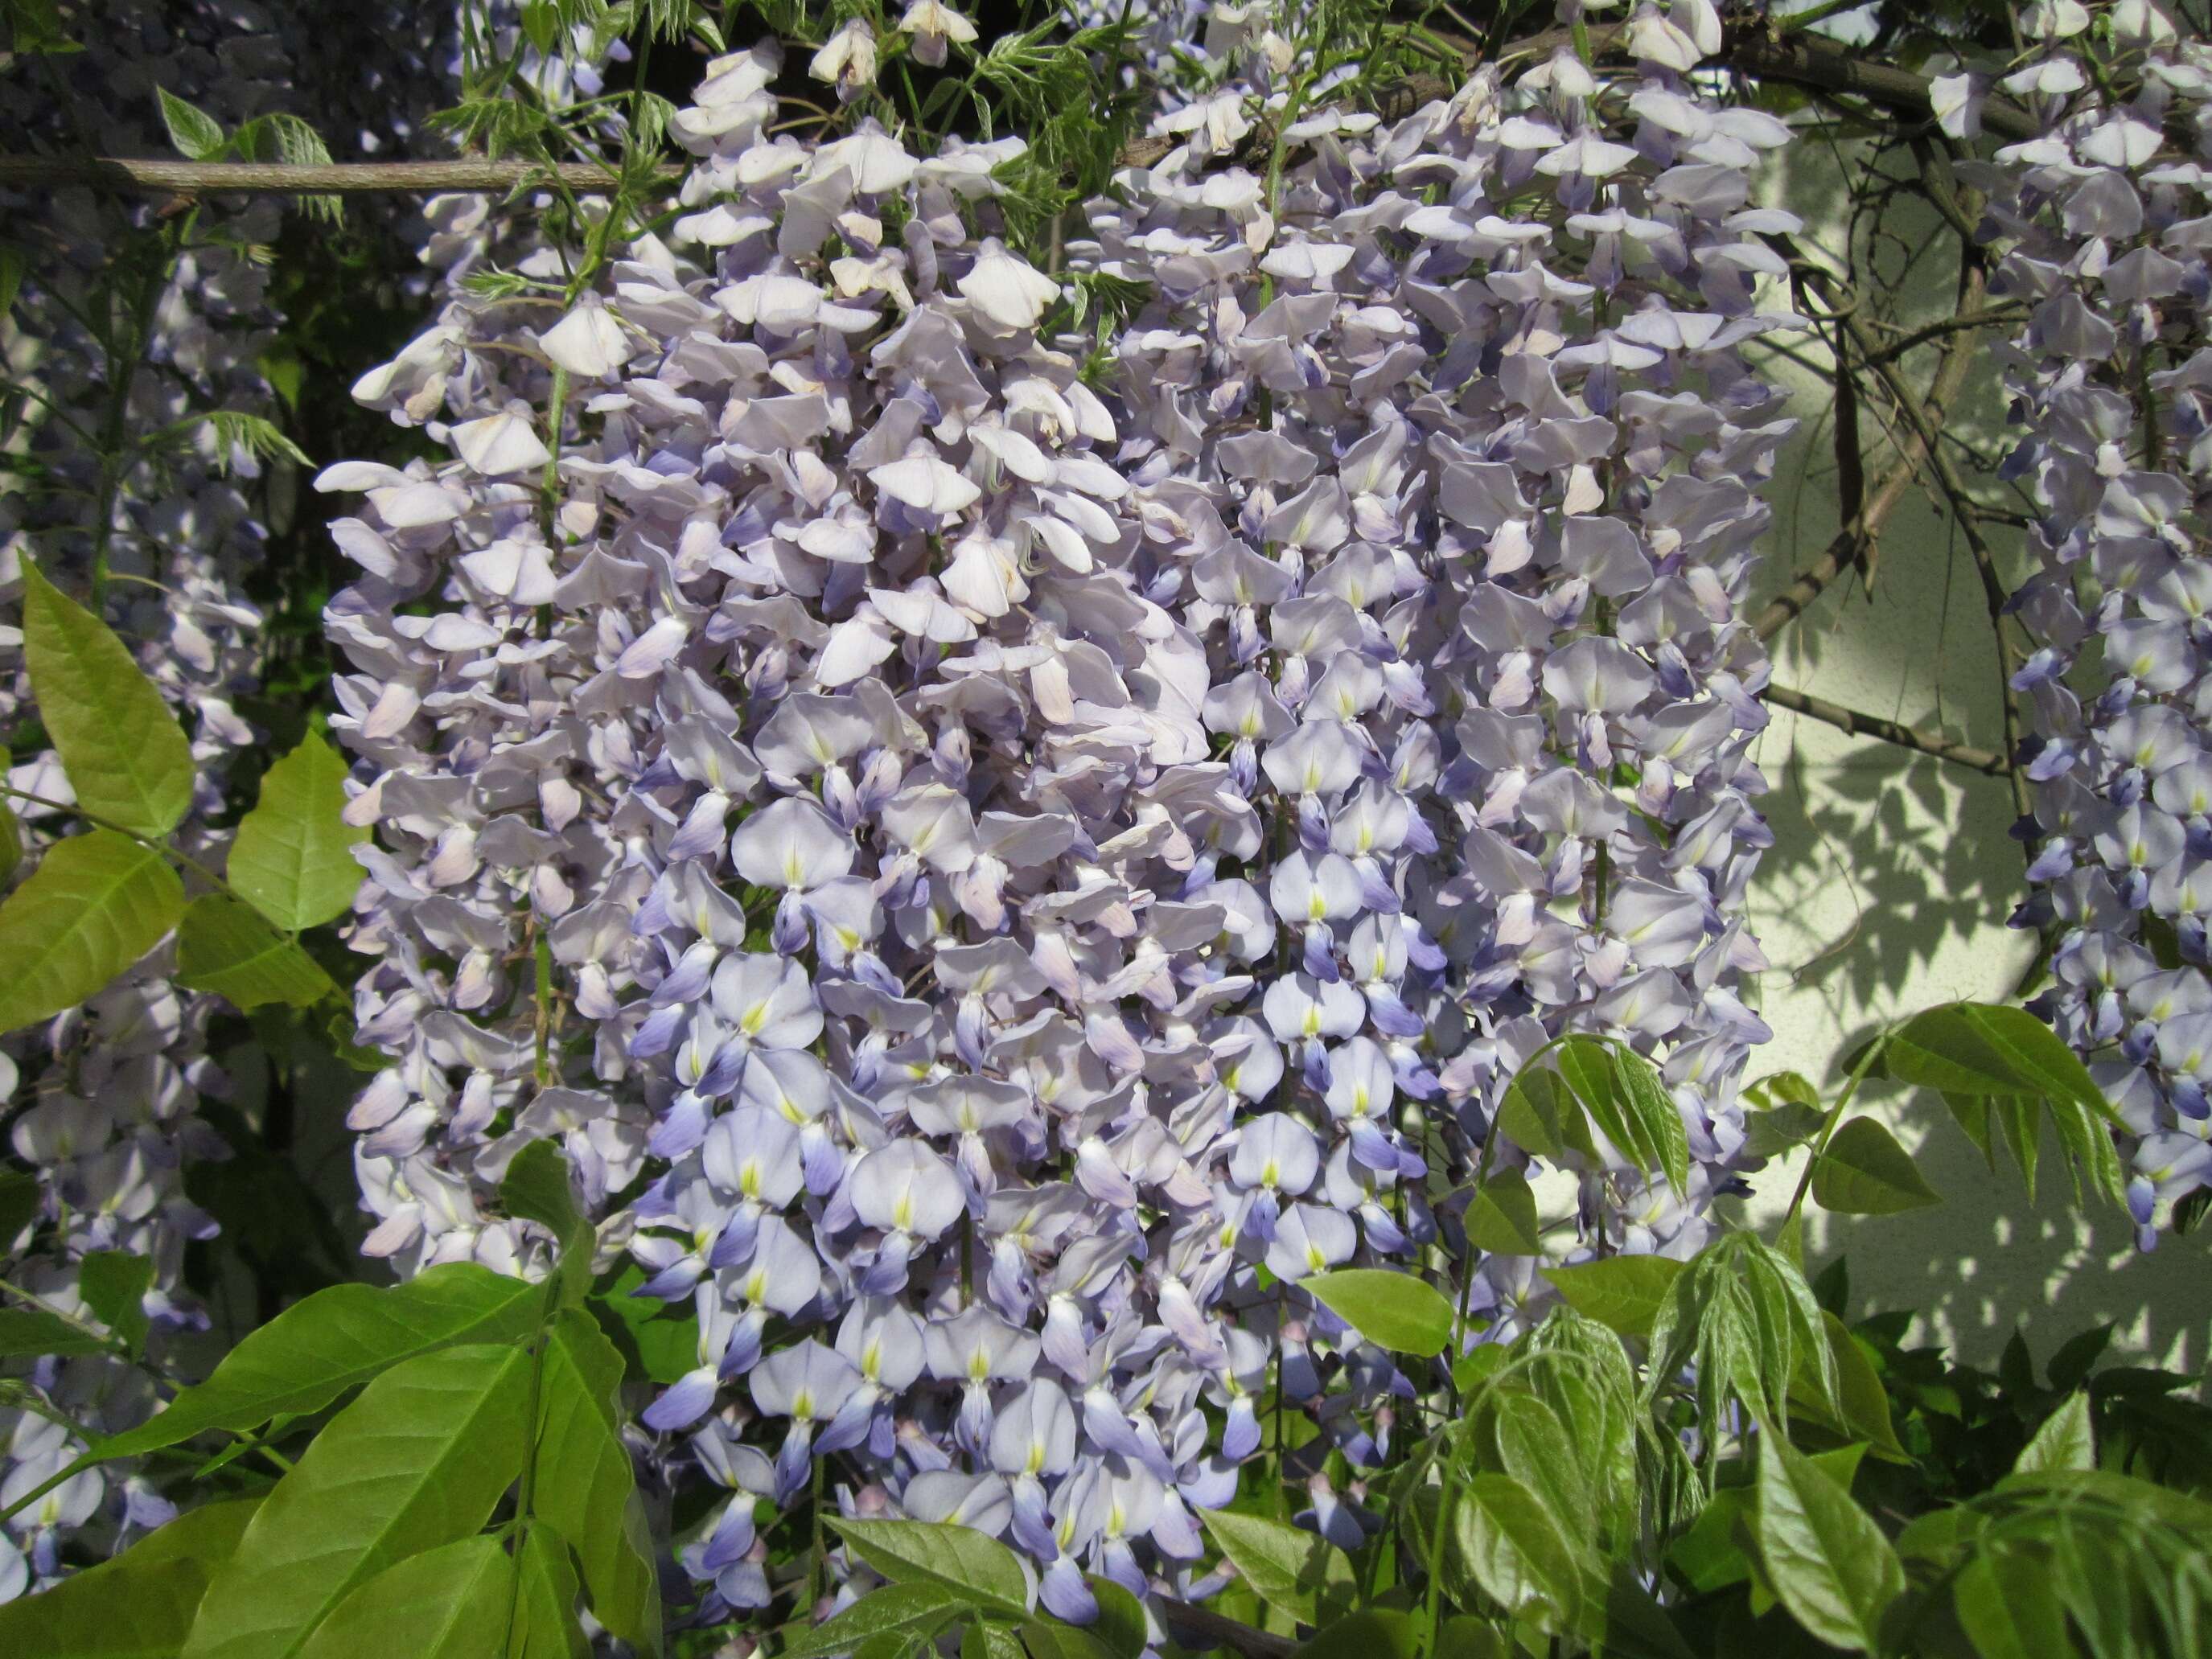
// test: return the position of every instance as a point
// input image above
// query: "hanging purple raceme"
(1011, 841)
(2103, 223)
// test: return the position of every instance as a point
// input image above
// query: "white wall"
(1889, 883)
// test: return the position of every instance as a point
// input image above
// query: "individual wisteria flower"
(2100, 221)
(1018, 852)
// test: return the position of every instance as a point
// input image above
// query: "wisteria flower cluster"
(997, 854)
(2105, 224)
(130, 481)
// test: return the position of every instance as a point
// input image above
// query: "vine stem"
(100, 822)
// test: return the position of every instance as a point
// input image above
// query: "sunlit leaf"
(95, 904)
(1395, 1310)
(127, 758)
(292, 859)
(418, 1460)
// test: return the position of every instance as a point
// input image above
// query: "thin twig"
(1986, 761)
(1802, 60)
(1851, 542)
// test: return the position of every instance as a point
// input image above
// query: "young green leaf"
(2064, 1441)
(114, 1284)
(127, 758)
(979, 1570)
(11, 841)
(1623, 1293)
(1501, 1217)
(1863, 1172)
(1509, 1543)
(95, 904)
(1288, 1568)
(197, 134)
(1828, 1561)
(223, 946)
(905, 1612)
(446, 1603)
(585, 1487)
(2007, 1607)
(292, 858)
(140, 1604)
(418, 1460)
(1390, 1308)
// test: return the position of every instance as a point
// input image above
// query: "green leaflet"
(2007, 1060)
(1828, 1561)
(1288, 1568)
(197, 134)
(906, 1611)
(1863, 1172)
(334, 1340)
(1372, 1633)
(1501, 1217)
(979, 1568)
(446, 1603)
(11, 840)
(545, 1624)
(158, 1582)
(114, 1284)
(2065, 1440)
(418, 1460)
(536, 1188)
(95, 904)
(1393, 1309)
(585, 1487)
(223, 946)
(1513, 1546)
(292, 859)
(126, 758)
(35, 1330)
(1624, 1293)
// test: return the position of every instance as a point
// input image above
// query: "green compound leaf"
(126, 757)
(1401, 1313)
(223, 946)
(138, 1606)
(1828, 1562)
(1863, 1172)
(335, 1339)
(95, 904)
(979, 1570)
(418, 1460)
(446, 1603)
(585, 1487)
(292, 859)
(1288, 1568)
